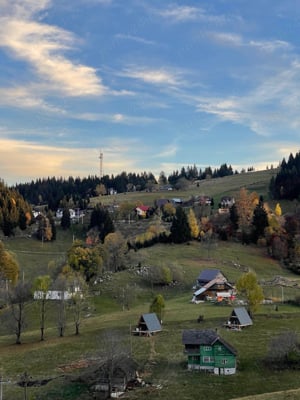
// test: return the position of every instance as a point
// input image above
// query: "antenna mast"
(101, 164)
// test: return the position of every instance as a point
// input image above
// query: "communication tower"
(101, 164)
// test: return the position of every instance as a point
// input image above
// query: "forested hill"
(54, 190)
(14, 210)
(286, 184)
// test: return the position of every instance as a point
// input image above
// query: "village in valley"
(151, 297)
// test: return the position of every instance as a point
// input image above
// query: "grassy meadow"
(161, 359)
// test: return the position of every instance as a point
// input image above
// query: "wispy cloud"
(269, 109)
(117, 118)
(136, 39)
(179, 13)
(167, 151)
(236, 40)
(23, 97)
(155, 76)
(43, 47)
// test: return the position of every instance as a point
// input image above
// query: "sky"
(151, 85)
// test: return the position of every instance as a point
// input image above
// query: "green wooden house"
(207, 351)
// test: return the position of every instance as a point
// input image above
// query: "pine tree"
(180, 230)
(259, 221)
(66, 219)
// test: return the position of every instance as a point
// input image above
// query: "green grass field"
(160, 357)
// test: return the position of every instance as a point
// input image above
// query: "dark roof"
(242, 315)
(208, 275)
(206, 337)
(151, 321)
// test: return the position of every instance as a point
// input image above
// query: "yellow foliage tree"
(248, 286)
(278, 211)
(9, 268)
(245, 205)
(194, 227)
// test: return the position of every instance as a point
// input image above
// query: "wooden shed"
(238, 319)
(148, 324)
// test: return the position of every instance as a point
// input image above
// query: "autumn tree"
(41, 286)
(278, 211)
(116, 247)
(193, 224)
(126, 210)
(158, 306)
(249, 288)
(44, 232)
(9, 267)
(168, 211)
(84, 259)
(245, 205)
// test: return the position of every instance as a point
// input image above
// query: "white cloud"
(117, 118)
(269, 109)
(134, 39)
(226, 38)
(236, 40)
(178, 13)
(271, 45)
(158, 76)
(43, 47)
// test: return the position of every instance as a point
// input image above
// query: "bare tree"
(61, 286)
(41, 287)
(284, 350)
(114, 348)
(18, 297)
(79, 293)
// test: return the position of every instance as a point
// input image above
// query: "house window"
(195, 359)
(207, 348)
(207, 359)
(224, 361)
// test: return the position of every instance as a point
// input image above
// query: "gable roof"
(151, 322)
(242, 316)
(208, 275)
(206, 337)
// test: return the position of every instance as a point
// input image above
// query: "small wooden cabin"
(148, 324)
(239, 318)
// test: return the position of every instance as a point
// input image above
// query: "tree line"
(79, 190)
(286, 184)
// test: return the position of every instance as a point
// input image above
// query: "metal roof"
(199, 291)
(151, 321)
(208, 275)
(242, 315)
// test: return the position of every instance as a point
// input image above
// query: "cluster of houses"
(205, 349)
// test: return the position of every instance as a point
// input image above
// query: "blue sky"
(153, 85)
